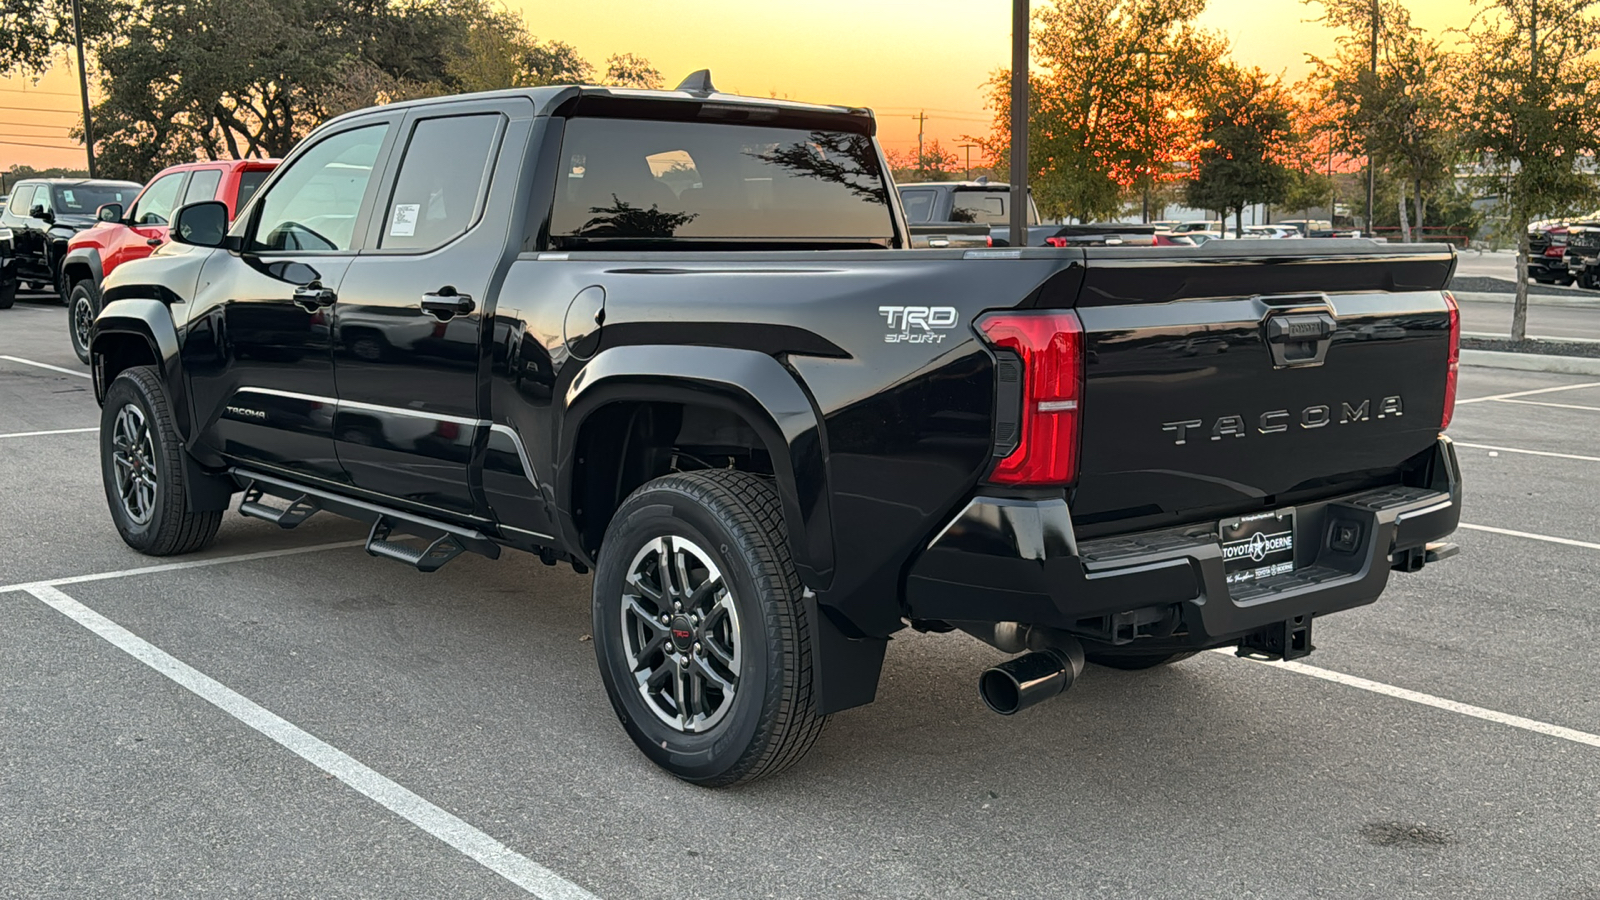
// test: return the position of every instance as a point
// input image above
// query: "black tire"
(8, 293)
(1134, 662)
(735, 520)
(83, 304)
(168, 526)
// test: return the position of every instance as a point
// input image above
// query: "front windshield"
(84, 199)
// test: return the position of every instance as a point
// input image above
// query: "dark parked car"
(1547, 253)
(678, 337)
(44, 213)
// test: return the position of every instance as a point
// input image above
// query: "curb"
(1530, 362)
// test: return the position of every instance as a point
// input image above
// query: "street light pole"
(83, 83)
(1019, 123)
(1372, 172)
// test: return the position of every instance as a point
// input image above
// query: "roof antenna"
(698, 82)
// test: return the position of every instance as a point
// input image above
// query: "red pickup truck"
(124, 235)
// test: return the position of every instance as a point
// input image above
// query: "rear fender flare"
(753, 385)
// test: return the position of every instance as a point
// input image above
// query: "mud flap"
(844, 669)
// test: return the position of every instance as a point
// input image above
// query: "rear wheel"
(142, 466)
(8, 293)
(1112, 659)
(83, 304)
(700, 629)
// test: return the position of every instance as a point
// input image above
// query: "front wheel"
(700, 629)
(83, 304)
(8, 293)
(141, 464)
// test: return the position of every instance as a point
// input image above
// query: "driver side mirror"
(203, 224)
(39, 212)
(111, 212)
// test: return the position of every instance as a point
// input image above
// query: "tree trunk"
(1519, 310)
(1405, 223)
(1422, 208)
(1238, 221)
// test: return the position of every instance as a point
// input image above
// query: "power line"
(39, 109)
(36, 125)
(45, 146)
(36, 91)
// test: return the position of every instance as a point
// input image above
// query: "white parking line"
(1549, 390)
(1530, 536)
(478, 846)
(177, 566)
(43, 433)
(1552, 405)
(1528, 452)
(1465, 709)
(29, 362)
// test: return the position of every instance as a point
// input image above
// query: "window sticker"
(404, 221)
(70, 199)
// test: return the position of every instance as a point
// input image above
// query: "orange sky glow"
(900, 57)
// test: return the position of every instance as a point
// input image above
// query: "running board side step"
(301, 509)
(446, 541)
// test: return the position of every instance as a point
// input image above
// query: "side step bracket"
(428, 559)
(296, 512)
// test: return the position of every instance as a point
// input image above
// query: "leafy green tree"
(33, 32)
(1247, 134)
(935, 164)
(1530, 113)
(632, 70)
(1108, 106)
(1403, 117)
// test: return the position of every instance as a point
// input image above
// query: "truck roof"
(702, 105)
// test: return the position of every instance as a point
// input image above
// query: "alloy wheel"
(680, 634)
(133, 455)
(82, 320)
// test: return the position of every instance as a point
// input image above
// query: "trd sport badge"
(918, 324)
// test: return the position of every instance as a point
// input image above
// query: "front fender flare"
(151, 321)
(89, 259)
(753, 385)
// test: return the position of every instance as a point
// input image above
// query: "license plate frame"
(1257, 546)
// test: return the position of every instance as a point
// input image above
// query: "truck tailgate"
(1225, 380)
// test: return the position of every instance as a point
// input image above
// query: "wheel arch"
(82, 263)
(619, 417)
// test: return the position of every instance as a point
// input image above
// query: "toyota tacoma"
(678, 337)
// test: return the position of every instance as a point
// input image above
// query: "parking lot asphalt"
(475, 689)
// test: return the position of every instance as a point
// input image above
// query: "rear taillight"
(1049, 348)
(1056, 241)
(1454, 361)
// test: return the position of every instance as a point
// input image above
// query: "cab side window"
(442, 178)
(21, 201)
(313, 205)
(156, 204)
(203, 186)
(41, 197)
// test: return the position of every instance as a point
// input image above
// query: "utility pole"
(83, 84)
(1019, 122)
(1372, 172)
(968, 148)
(922, 118)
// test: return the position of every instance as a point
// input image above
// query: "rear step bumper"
(1014, 560)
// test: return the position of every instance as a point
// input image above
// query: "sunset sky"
(896, 56)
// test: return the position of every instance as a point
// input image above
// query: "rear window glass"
(249, 183)
(203, 185)
(634, 180)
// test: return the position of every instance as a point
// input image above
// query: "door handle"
(153, 242)
(446, 302)
(314, 296)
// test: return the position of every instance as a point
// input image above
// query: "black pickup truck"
(958, 209)
(677, 337)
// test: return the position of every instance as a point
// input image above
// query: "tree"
(1401, 117)
(1529, 113)
(935, 164)
(1247, 134)
(632, 70)
(32, 32)
(1110, 110)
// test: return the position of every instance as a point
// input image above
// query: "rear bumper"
(1016, 560)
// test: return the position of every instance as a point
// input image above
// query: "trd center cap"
(682, 633)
